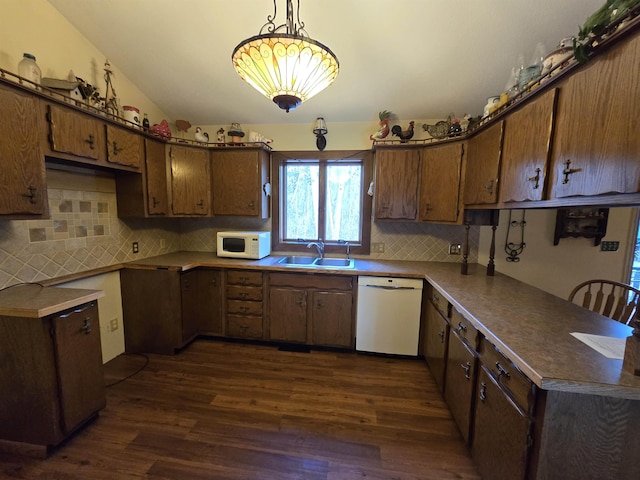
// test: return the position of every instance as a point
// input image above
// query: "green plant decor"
(597, 24)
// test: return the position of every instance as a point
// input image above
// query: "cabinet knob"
(155, 201)
(467, 369)
(536, 179)
(489, 187)
(568, 171)
(86, 328)
(483, 391)
(200, 203)
(31, 194)
(116, 150)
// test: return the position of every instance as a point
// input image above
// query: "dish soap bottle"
(28, 68)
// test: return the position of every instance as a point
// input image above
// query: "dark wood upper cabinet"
(124, 147)
(525, 150)
(190, 180)
(74, 133)
(597, 140)
(397, 174)
(239, 179)
(23, 185)
(440, 183)
(483, 166)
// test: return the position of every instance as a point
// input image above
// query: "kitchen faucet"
(319, 246)
(347, 245)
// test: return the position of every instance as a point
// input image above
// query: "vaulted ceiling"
(418, 58)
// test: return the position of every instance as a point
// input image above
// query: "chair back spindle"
(612, 299)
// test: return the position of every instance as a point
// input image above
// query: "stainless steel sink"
(296, 260)
(333, 262)
(315, 262)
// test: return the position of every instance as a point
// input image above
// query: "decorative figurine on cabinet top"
(403, 134)
(202, 137)
(383, 131)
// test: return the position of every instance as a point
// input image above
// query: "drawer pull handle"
(568, 171)
(436, 298)
(91, 141)
(483, 391)
(441, 335)
(502, 371)
(244, 309)
(462, 327)
(467, 370)
(243, 295)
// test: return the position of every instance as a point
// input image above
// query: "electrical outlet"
(455, 248)
(609, 246)
(377, 247)
(162, 243)
(113, 325)
(134, 247)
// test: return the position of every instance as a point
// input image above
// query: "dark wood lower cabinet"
(502, 433)
(311, 309)
(461, 372)
(51, 376)
(435, 343)
(164, 309)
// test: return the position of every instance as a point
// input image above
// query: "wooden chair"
(612, 299)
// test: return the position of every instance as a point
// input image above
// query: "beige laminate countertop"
(531, 327)
(35, 301)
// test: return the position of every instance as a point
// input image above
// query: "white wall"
(34, 26)
(557, 269)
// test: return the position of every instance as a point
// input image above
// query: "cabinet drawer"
(465, 330)
(237, 292)
(516, 383)
(244, 327)
(244, 277)
(439, 301)
(244, 308)
(324, 282)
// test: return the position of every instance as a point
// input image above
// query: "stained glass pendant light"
(283, 63)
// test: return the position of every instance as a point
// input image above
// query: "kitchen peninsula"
(580, 403)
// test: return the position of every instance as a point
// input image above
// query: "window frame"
(280, 159)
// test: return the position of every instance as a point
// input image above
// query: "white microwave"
(252, 245)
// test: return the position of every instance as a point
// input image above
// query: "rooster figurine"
(383, 131)
(403, 134)
(202, 137)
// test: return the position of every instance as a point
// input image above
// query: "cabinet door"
(190, 308)
(287, 314)
(76, 134)
(79, 363)
(209, 301)
(597, 138)
(124, 147)
(525, 150)
(396, 184)
(152, 310)
(332, 319)
(440, 185)
(436, 338)
(156, 178)
(238, 179)
(22, 189)
(460, 383)
(483, 166)
(501, 435)
(190, 181)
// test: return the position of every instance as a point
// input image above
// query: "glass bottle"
(145, 123)
(28, 68)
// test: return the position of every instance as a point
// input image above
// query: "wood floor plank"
(225, 410)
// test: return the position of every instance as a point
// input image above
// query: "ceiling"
(421, 59)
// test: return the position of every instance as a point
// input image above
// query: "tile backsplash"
(84, 232)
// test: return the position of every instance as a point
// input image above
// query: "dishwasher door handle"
(389, 287)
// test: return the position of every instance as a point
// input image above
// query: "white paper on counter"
(610, 347)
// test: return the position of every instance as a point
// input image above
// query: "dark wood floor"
(223, 410)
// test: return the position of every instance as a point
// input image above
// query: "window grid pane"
(301, 201)
(343, 202)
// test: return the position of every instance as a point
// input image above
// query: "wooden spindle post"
(464, 269)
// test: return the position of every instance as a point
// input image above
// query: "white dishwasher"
(388, 315)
